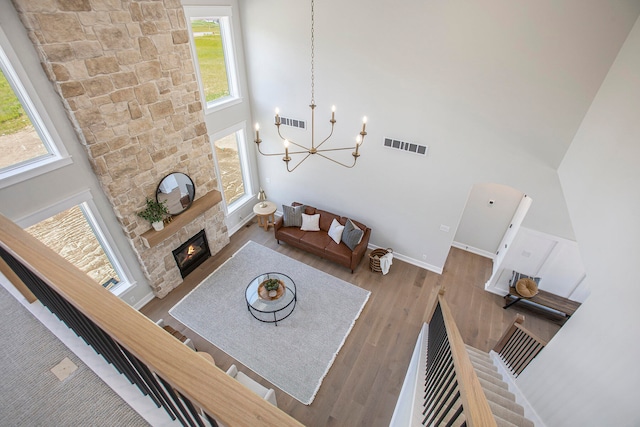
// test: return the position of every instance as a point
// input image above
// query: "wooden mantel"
(152, 238)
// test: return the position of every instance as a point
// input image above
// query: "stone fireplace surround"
(124, 71)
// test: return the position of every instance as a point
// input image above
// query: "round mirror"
(178, 191)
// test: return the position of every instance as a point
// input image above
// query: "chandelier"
(314, 149)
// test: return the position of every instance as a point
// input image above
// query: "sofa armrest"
(360, 250)
(278, 223)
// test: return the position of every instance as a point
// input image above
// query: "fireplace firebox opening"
(192, 253)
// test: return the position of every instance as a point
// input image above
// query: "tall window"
(212, 45)
(230, 168)
(75, 235)
(19, 141)
(212, 33)
(27, 145)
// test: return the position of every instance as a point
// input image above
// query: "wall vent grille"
(293, 123)
(406, 146)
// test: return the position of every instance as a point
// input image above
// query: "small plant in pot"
(272, 285)
(155, 213)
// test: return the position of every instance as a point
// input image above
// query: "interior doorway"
(488, 216)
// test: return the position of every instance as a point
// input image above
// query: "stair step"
(503, 423)
(476, 361)
(492, 372)
(509, 404)
(502, 391)
(477, 352)
(509, 416)
(492, 379)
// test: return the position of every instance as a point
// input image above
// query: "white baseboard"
(489, 288)
(410, 260)
(473, 250)
(241, 224)
(143, 301)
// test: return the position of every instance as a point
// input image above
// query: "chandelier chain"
(312, 55)
(292, 148)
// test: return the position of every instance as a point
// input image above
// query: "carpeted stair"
(501, 401)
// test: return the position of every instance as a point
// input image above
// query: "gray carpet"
(31, 395)
(296, 355)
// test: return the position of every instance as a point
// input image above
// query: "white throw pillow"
(310, 222)
(335, 231)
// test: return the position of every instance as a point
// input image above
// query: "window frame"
(224, 14)
(19, 81)
(84, 200)
(240, 129)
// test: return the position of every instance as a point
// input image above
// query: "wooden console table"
(544, 299)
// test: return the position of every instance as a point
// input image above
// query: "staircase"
(502, 402)
(449, 383)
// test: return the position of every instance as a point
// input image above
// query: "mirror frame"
(181, 179)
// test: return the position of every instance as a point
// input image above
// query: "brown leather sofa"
(319, 243)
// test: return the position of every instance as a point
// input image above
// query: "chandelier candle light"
(314, 149)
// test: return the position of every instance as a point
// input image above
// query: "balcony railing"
(188, 387)
(452, 394)
(518, 347)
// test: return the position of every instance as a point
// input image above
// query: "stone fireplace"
(124, 71)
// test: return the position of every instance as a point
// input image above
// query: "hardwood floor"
(363, 384)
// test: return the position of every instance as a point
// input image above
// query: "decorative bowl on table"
(271, 289)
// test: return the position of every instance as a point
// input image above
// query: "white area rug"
(294, 356)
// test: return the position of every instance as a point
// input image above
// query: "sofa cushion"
(351, 235)
(310, 222)
(335, 231)
(292, 215)
(291, 234)
(338, 253)
(315, 241)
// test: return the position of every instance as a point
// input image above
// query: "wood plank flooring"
(364, 382)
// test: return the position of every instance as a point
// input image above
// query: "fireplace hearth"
(192, 253)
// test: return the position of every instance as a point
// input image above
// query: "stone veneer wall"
(127, 80)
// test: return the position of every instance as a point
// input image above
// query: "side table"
(266, 215)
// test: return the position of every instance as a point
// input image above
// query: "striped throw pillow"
(292, 216)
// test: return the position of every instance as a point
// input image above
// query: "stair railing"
(518, 347)
(191, 389)
(452, 394)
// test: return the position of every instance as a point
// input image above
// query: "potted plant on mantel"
(155, 213)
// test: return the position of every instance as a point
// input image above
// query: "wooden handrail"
(517, 324)
(17, 282)
(196, 378)
(432, 306)
(474, 403)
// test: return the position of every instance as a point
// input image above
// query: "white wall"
(495, 89)
(483, 224)
(588, 375)
(23, 199)
(556, 261)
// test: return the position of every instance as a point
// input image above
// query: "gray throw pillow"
(292, 216)
(351, 235)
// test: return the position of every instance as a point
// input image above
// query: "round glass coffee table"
(275, 307)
